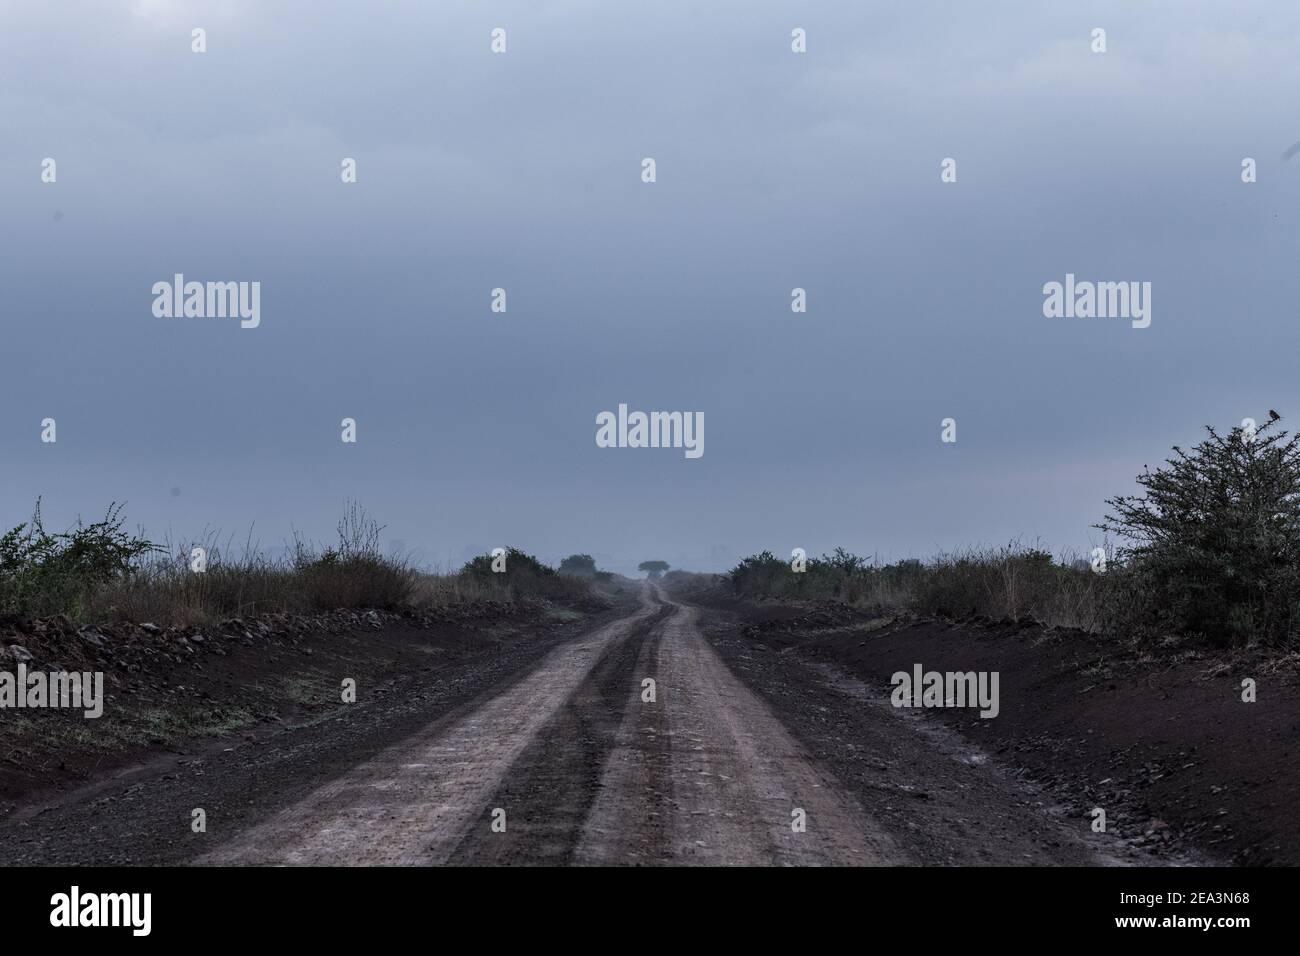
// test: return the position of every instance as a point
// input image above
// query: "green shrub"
(1213, 542)
(43, 573)
(527, 577)
(579, 565)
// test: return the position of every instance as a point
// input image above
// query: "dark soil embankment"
(188, 690)
(1161, 740)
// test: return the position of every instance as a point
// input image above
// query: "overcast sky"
(522, 170)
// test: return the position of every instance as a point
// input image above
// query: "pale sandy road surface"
(707, 775)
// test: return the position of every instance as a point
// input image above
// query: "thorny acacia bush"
(44, 573)
(1213, 543)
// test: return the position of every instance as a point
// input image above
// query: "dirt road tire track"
(550, 788)
(707, 775)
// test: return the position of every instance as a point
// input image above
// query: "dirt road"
(633, 743)
(702, 773)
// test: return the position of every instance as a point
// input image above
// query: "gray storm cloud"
(522, 171)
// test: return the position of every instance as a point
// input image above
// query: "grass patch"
(100, 573)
